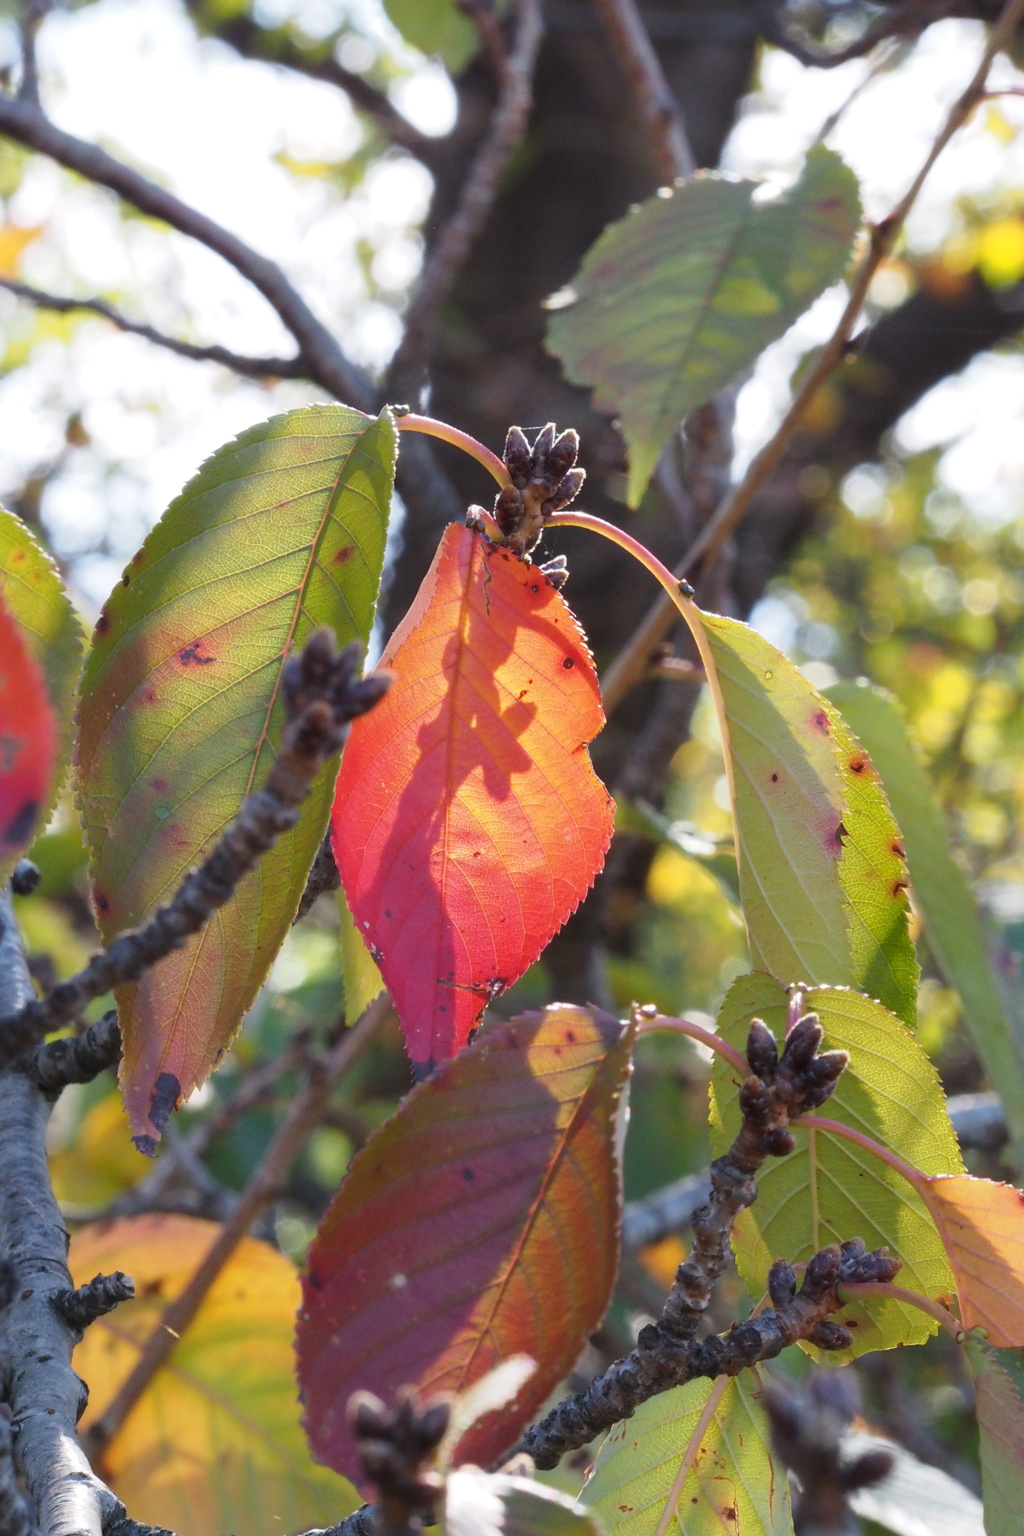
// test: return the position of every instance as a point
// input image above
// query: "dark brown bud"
(802, 1042)
(567, 489)
(542, 446)
(762, 1052)
(779, 1142)
(518, 456)
(367, 1414)
(432, 1424)
(556, 570)
(781, 1283)
(868, 1469)
(508, 509)
(822, 1271)
(830, 1335)
(561, 455)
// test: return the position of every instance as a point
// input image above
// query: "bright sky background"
(128, 73)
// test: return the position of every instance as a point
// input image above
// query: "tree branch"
(321, 357)
(265, 1185)
(322, 694)
(657, 104)
(248, 367)
(907, 20)
(480, 188)
(668, 1352)
(44, 1394)
(275, 46)
(631, 663)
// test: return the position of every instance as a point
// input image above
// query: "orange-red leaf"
(468, 821)
(982, 1226)
(480, 1222)
(28, 740)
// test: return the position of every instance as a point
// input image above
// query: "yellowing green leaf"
(999, 1396)
(280, 531)
(99, 1162)
(820, 869)
(684, 292)
(214, 1443)
(704, 1449)
(362, 980)
(829, 1190)
(953, 926)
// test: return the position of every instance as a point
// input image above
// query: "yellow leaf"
(101, 1161)
(215, 1442)
(999, 126)
(13, 240)
(1001, 252)
(982, 1226)
(661, 1260)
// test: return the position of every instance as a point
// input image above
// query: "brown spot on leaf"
(840, 835)
(897, 848)
(160, 785)
(859, 764)
(101, 902)
(344, 555)
(774, 777)
(899, 886)
(568, 663)
(819, 721)
(192, 655)
(103, 622)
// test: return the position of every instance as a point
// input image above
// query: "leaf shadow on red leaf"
(457, 881)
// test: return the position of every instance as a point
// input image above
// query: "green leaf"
(712, 1436)
(280, 531)
(999, 1396)
(496, 1504)
(361, 978)
(674, 300)
(35, 595)
(828, 1190)
(953, 926)
(436, 27)
(822, 887)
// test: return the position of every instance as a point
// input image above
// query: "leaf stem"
(571, 518)
(859, 1290)
(912, 1175)
(410, 422)
(696, 1032)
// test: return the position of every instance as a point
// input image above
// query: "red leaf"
(480, 1222)
(28, 740)
(468, 821)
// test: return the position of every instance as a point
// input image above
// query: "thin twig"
(323, 361)
(908, 20)
(276, 46)
(248, 367)
(654, 97)
(631, 663)
(322, 694)
(480, 188)
(74, 1058)
(777, 1093)
(263, 1188)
